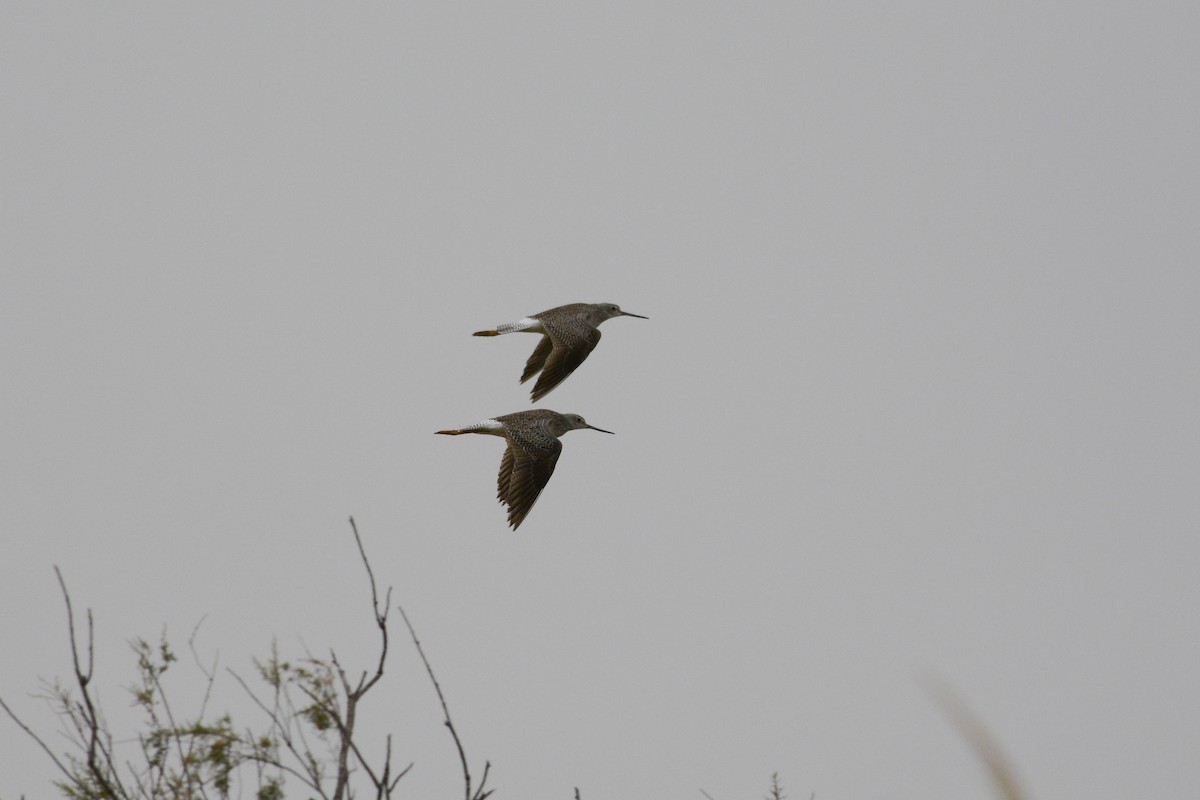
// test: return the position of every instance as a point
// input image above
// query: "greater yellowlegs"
(532, 452)
(569, 334)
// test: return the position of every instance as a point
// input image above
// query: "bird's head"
(603, 311)
(576, 422)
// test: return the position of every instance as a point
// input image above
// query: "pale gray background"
(919, 392)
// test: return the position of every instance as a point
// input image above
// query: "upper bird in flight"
(569, 334)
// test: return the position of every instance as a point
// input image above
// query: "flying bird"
(529, 459)
(569, 334)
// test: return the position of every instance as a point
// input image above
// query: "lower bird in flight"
(533, 450)
(569, 334)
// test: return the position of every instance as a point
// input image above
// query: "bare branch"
(42, 744)
(388, 786)
(347, 742)
(99, 756)
(310, 780)
(346, 730)
(480, 794)
(380, 616)
(185, 755)
(210, 673)
(462, 755)
(193, 757)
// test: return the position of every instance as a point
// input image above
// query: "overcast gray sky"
(918, 393)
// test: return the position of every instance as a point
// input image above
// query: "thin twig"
(42, 744)
(95, 747)
(185, 755)
(387, 765)
(344, 733)
(312, 781)
(462, 755)
(380, 617)
(353, 695)
(283, 723)
(142, 790)
(210, 674)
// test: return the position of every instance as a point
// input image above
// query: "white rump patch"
(492, 426)
(526, 324)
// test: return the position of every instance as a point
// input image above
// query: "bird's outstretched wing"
(572, 344)
(538, 359)
(525, 469)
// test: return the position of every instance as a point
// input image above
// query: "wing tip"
(540, 391)
(515, 515)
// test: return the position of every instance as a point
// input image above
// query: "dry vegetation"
(305, 734)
